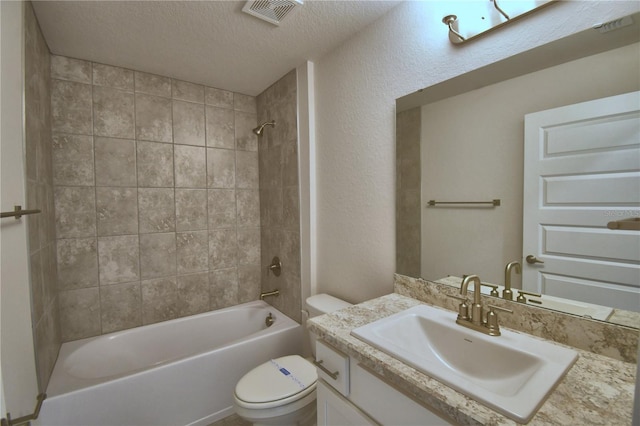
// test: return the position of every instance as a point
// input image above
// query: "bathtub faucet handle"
(275, 267)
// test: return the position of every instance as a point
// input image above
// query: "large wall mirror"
(463, 141)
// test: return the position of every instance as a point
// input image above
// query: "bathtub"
(178, 372)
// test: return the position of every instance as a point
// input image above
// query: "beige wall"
(472, 149)
(42, 241)
(279, 193)
(356, 87)
(156, 197)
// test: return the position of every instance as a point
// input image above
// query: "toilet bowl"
(282, 391)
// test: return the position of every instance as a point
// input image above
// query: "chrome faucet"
(476, 321)
(507, 293)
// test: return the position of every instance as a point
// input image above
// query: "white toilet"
(283, 391)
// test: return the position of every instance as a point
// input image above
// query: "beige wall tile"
(156, 210)
(221, 168)
(116, 77)
(155, 164)
(290, 163)
(113, 113)
(115, 162)
(291, 208)
(247, 170)
(64, 68)
(159, 299)
(188, 123)
(248, 283)
(79, 313)
(220, 127)
(192, 251)
(192, 294)
(157, 255)
(244, 103)
(222, 208)
(248, 207)
(77, 263)
(121, 306)
(117, 211)
(223, 288)
(218, 97)
(71, 107)
(191, 209)
(190, 166)
(152, 84)
(153, 118)
(186, 91)
(270, 167)
(75, 209)
(248, 246)
(223, 248)
(72, 160)
(245, 122)
(271, 207)
(118, 259)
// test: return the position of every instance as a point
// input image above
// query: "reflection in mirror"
(457, 144)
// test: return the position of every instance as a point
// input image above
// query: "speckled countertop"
(597, 389)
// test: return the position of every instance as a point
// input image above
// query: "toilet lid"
(282, 379)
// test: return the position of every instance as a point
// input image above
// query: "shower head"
(258, 130)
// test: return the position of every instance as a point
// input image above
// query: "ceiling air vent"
(273, 11)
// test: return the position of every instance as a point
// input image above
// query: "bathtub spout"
(269, 293)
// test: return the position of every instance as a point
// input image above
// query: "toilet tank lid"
(325, 303)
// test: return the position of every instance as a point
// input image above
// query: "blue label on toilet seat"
(284, 371)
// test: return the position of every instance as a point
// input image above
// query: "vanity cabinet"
(356, 396)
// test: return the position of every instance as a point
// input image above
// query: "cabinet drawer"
(333, 367)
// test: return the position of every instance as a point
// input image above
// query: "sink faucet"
(507, 293)
(476, 308)
(476, 322)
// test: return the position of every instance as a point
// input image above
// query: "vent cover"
(273, 11)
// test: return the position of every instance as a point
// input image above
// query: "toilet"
(282, 391)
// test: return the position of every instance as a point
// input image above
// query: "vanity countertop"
(596, 390)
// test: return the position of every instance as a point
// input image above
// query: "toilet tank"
(321, 304)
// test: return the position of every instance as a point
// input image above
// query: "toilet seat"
(276, 383)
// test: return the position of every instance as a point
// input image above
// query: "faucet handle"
(494, 289)
(523, 299)
(463, 308)
(492, 319)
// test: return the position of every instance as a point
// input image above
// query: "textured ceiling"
(208, 42)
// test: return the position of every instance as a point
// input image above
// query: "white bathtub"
(178, 372)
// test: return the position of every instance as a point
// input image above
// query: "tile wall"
(408, 185)
(156, 197)
(42, 241)
(279, 193)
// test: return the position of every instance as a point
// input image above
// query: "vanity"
(373, 387)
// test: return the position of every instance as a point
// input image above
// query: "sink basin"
(511, 373)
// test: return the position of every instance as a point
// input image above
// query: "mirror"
(462, 140)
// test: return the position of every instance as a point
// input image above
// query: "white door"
(582, 171)
(17, 364)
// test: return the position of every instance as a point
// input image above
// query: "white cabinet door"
(334, 410)
(582, 170)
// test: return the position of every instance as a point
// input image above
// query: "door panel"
(17, 361)
(582, 170)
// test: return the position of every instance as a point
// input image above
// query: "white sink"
(511, 373)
